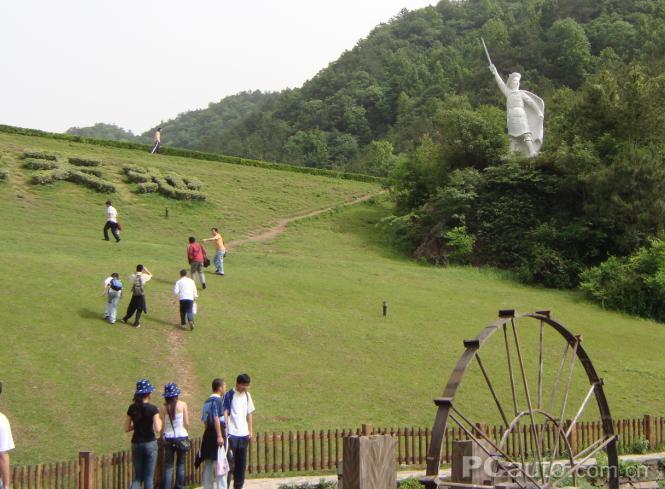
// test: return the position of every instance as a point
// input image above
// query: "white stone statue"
(525, 113)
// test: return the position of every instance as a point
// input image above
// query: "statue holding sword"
(525, 113)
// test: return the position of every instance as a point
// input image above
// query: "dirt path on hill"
(281, 225)
(175, 338)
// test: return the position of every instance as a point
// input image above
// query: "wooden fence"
(317, 450)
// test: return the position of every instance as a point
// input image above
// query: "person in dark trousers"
(157, 140)
(238, 409)
(111, 222)
(137, 303)
(144, 421)
(212, 416)
(185, 291)
(175, 416)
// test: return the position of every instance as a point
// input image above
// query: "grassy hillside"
(300, 313)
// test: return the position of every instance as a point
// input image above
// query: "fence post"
(649, 432)
(367, 429)
(86, 477)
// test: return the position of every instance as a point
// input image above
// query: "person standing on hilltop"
(196, 256)
(6, 444)
(157, 139)
(111, 222)
(185, 290)
(221, 251)
(137, 303)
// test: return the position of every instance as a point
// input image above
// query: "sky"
(136, 63)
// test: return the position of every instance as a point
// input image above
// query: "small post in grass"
(385, 309)
(166, 212)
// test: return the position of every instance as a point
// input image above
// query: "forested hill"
(381, 96)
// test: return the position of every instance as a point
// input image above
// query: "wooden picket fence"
(317, 451)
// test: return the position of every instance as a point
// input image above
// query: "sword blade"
(486, 51)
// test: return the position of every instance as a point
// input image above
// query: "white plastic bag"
(194, 308)
(222, 462)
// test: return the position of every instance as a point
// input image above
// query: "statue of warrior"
(525, 113)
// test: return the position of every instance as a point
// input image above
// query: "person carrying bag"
(176, 438)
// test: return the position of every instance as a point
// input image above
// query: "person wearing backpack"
(137, 303)
(175, 416)
(112, 291)
(238, 408)
(212, 416)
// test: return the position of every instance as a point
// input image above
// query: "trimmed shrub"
(91, 171)
(83, 162)
(39, 155)
(192, 183)
(48, 177)
(134, 177)
(147, 187)
(32, 164)
(133, 168)
(91, 181)
(3, 174)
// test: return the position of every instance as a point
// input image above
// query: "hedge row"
(84, 162)
(197, 155)
(47, 177)
(148, 187)
(39, 155)
(90, 171)
(178, 193)
(91, 181)
(31, 164)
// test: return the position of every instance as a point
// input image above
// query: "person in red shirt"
(196, 255)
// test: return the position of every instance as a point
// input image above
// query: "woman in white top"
(176, 421)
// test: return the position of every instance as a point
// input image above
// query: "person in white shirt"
(111, 222)
(185, 290)
(238, 409)
(6, 444)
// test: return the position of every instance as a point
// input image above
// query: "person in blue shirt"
(212, 416)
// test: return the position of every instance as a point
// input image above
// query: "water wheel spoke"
(534, 432)
(576, 466)
(592, 389)
(540, 365)
(510, 369)
(491, 388)
(491, 443)
(555, 387)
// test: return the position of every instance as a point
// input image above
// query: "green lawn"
(301, 314)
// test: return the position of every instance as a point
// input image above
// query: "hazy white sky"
(136, 62)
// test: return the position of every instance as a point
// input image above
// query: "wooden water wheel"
(526, 407)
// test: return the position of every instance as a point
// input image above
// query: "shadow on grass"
(90, 314)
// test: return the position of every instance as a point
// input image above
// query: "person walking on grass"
(176, 439)
(137, 303)
(185, 291)
(212, 416)
(6, 444)
(112, 292)
(238, 409)
(144, 421)
(196, 255)
(218, 261)
(157, 140)
(111, 222)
